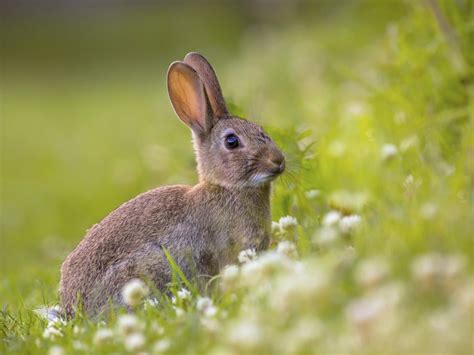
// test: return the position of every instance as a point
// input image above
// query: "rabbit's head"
(231, 151)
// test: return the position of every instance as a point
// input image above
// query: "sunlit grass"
(372, 248)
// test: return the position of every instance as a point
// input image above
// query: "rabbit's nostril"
(279, 165)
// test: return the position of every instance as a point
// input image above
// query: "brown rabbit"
(203, 226)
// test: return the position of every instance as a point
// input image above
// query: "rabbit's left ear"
(189, 98)
(209, 79)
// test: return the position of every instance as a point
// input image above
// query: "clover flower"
(161, 346)
(128, 324)
(179, 312)
(287, 222)
(287, 248)
(103, 336)
(79, 345)
(298, 288)
(134, 342)
(134, 291)
(350, 223)
(247, 255)
(52, 332)
(230, 273)
(151, 303)
(210, 324)
(325, 236)
(371, 272)
(275, 227)
(464, 297)
(364, 312)
(433, 268)
(56, 350)
(184, 294)
(303, 335)
(77, 330)
(331, 218)
(428, 210)
(388, 151)
(312, 194)
(206, 306)
(259, 270)
(244, 333)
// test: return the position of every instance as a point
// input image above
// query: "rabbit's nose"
(278, 163)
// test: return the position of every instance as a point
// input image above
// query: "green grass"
(86, 125)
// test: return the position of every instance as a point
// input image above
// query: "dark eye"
(232, 141)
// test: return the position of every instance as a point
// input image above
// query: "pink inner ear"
(187, 95)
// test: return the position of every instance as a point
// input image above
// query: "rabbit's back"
(127, 243)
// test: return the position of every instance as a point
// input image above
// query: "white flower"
(331, 218)
(348, 224)
(134, 291)
(312, 194)
(206, 307)
(365, 311)
(56, 350)
(454, 266)
(157, 328)
(51, 332)
(325, 236)
(275, 227)
(299, 288)
(77, 330)
(203, 302)
(464, 298)
(433, 268)
(287, 222)
(52, 314)
(134, 342)
(184, 294)
(255, 272)
(79, 345)
(210, 324)
(428, 210)
(356, 108)
(244, 333)
(179, 312)
(151, 303)
(388, 151)
(247, 255)
(128, 324)
(103, 336)
(161, 345)
(287, 248)
(230, 273)
(303, 336)
(371, 272)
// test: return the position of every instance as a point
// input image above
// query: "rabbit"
(203, 226)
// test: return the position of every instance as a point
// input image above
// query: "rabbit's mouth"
(263, 178)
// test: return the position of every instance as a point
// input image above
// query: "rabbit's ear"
(209, 78)
(188, 97)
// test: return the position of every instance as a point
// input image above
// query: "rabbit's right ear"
(189, 98)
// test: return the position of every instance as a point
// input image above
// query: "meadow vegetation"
(372, 103)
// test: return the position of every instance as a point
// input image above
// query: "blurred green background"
(86, 119)
(87, 125)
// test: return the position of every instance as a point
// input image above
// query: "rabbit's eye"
(232, 141)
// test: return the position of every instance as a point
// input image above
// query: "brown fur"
(204, 226)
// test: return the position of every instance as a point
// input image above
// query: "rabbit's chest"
(238, 235)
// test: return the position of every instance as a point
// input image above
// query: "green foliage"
(372, 104)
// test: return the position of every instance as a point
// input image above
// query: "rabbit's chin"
(260, 179)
